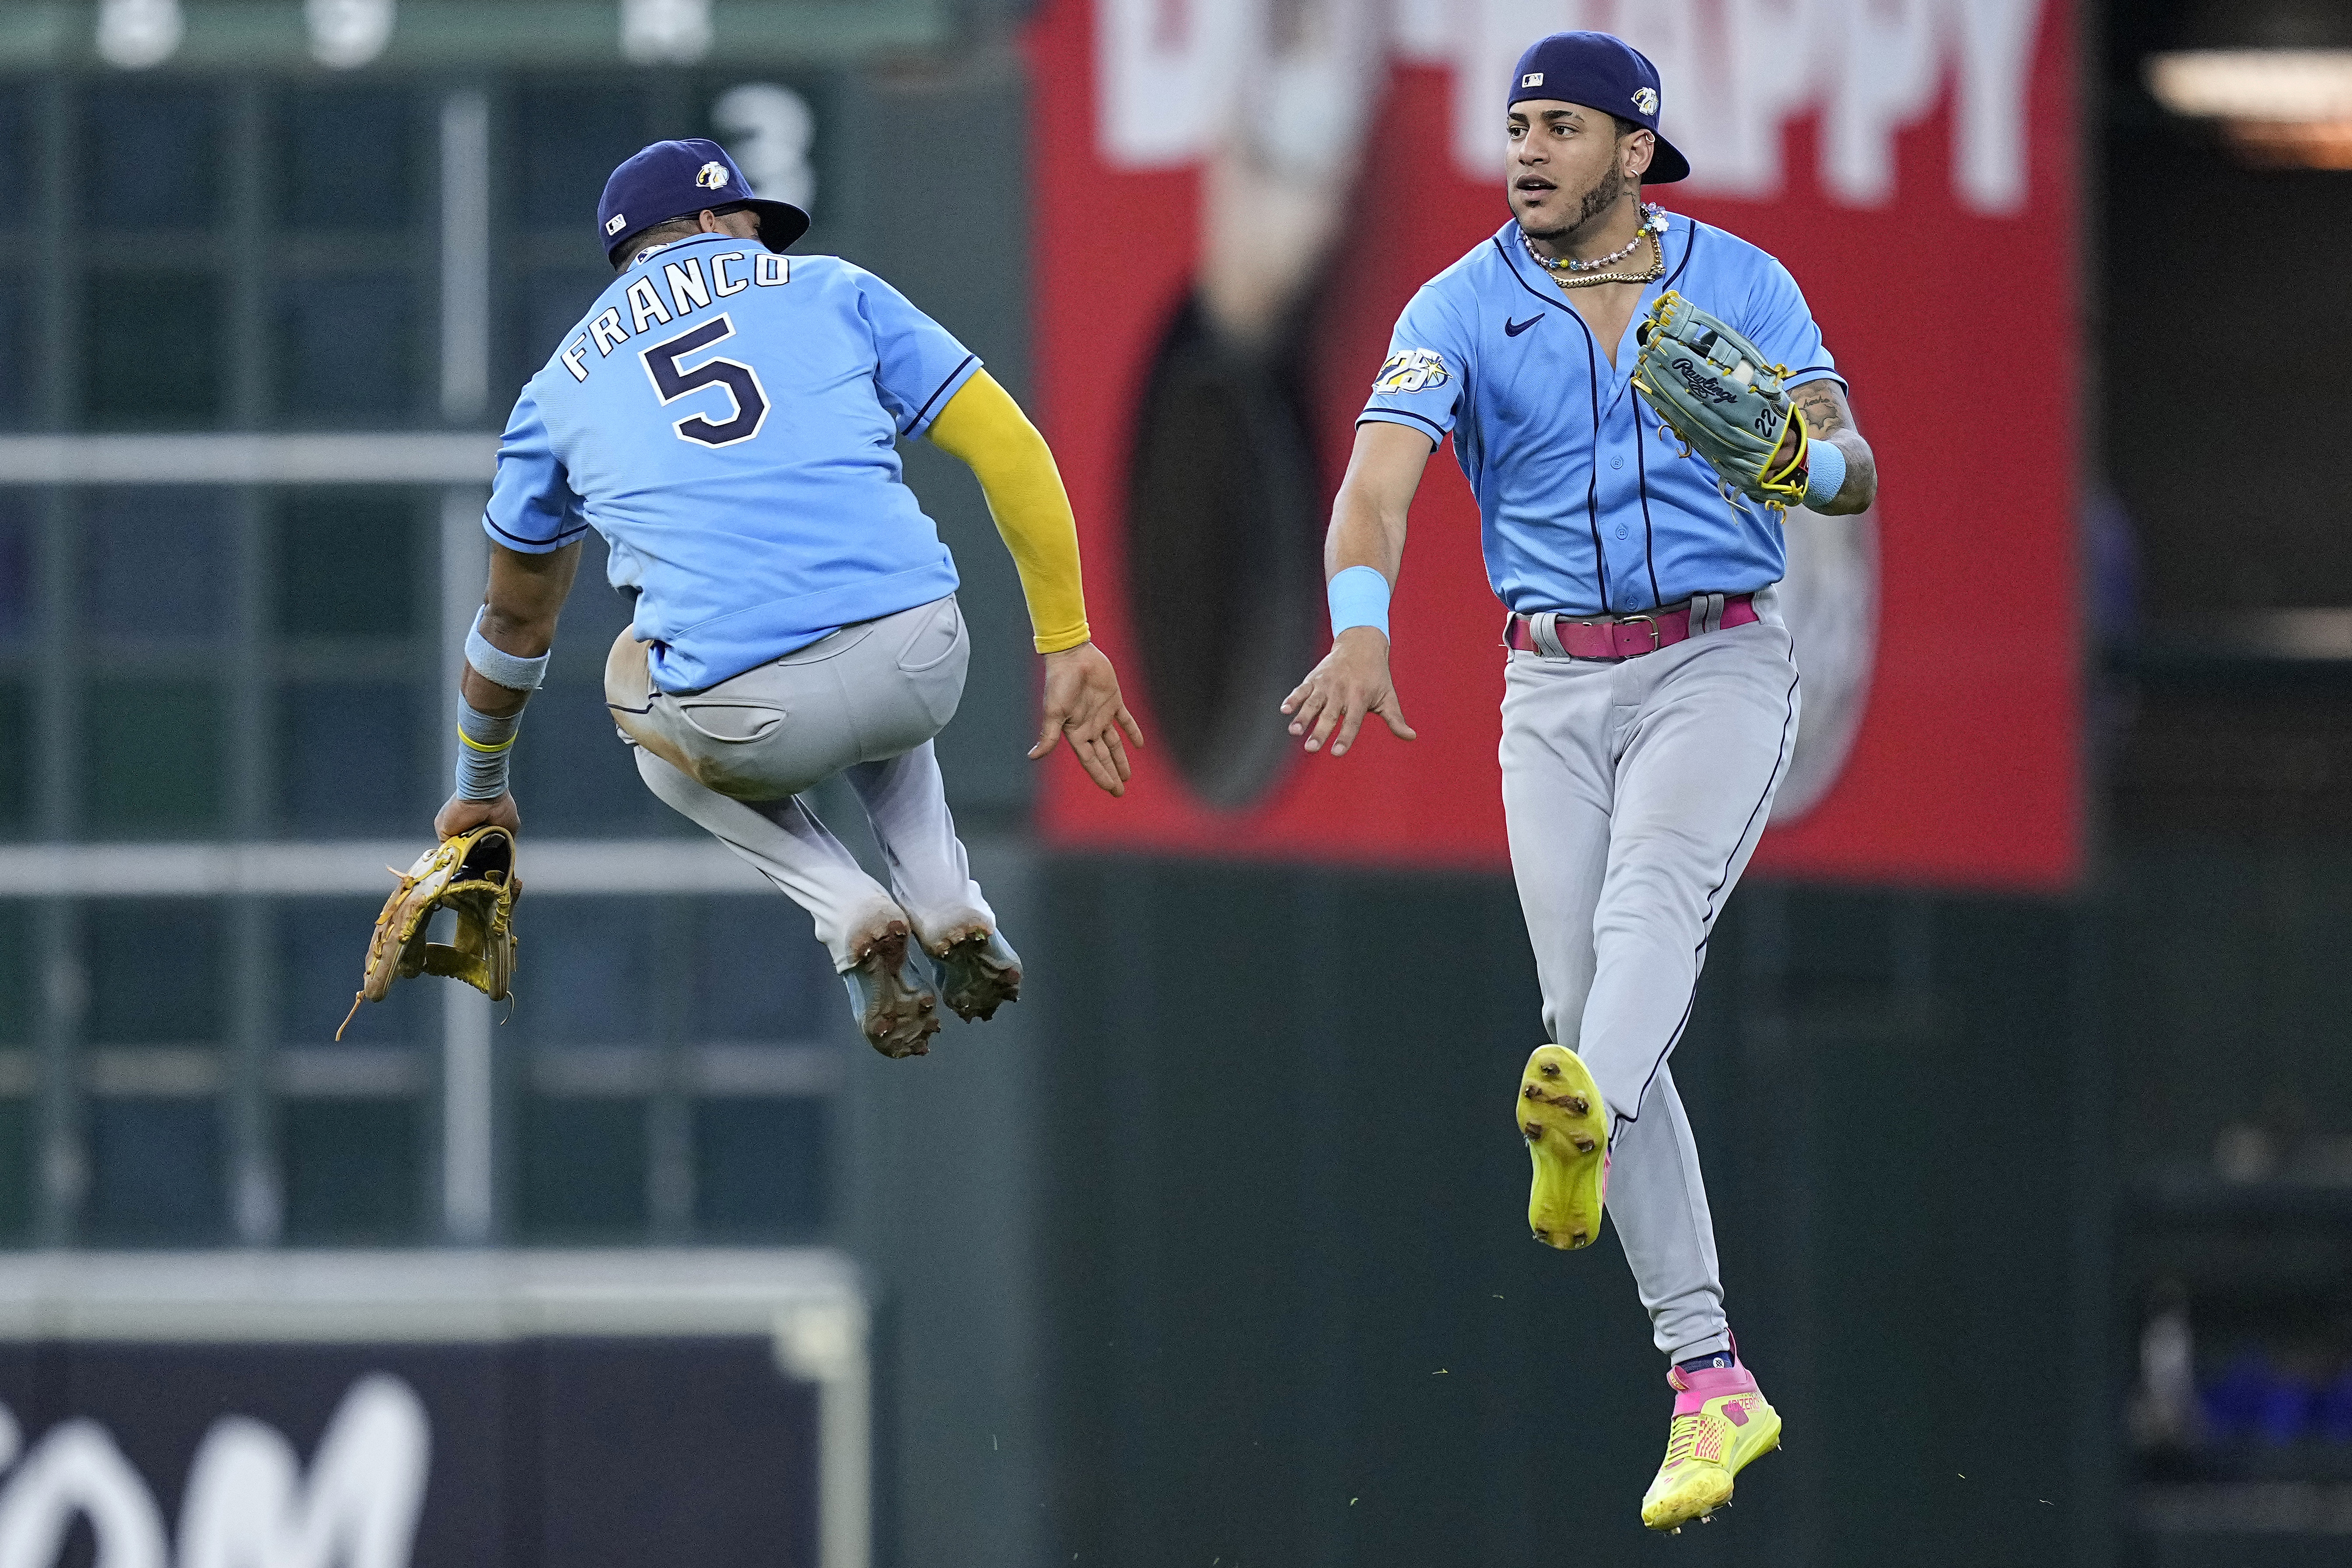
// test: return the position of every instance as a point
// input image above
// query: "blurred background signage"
(1279, 179)
(370, 1410)
(344, 34)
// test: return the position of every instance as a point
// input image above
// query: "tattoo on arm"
(1824, 412)
(1829, 417)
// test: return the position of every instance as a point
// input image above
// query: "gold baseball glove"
(472, 874)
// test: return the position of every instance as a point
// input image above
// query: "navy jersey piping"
(1384, 414)
(1690, 246)
(1641, 458)
(1592, 385)
(1707, 930)
(1649, 533)
(912, 425)
(535, 546)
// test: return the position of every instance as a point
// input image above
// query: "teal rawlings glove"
(1718, 395)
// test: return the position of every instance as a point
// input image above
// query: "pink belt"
(1617, 636)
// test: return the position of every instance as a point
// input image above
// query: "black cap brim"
(780, 223)
(1667, 164)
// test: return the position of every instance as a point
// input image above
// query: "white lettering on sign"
(247, 1504)
(77, 1472)
(1174, 76)
(1165, 72)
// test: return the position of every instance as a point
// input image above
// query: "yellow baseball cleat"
(1566, 1129)
(1721, 1422)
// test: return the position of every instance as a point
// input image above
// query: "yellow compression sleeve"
(982, 426)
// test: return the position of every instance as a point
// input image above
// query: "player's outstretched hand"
(1083, 704)
(1351, 683)
(465, 815)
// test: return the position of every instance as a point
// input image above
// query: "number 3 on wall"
(740, 382)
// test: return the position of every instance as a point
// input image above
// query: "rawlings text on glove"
(1716, 392)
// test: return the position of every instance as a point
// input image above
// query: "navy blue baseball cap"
(1600, 70)
(678, 179)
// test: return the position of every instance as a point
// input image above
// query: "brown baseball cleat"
(897, 1011)
(979, 972)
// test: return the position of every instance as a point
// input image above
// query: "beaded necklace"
(1570, 273)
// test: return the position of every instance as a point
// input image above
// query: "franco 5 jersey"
(727, 419)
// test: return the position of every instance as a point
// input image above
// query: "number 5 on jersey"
(742, 383)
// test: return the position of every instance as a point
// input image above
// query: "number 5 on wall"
(740, 382)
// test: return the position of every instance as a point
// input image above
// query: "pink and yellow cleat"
(1721, 1422)
(1567, 1132)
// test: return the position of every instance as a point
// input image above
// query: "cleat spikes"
(1550, 1069)
(1533, 1130)
(1583, 1145)
(1578, 1104)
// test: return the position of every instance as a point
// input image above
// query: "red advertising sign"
(1236, 198)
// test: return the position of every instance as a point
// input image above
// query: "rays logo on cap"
(615, 227)
(1646, 101)
(1533, 79)
(711, 175)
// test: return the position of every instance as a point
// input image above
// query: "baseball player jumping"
(1635, 398)
(726, 417)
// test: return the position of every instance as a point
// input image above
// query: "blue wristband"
(500, 668)
(485, 744)
(1824, 473)
(1360, 597)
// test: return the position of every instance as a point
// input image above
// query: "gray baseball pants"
(1634, 791)
(865, 702)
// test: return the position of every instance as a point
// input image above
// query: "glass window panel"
(352, 760)
(597, 612)
(321, 946)
(156, 565)
(16, 759)
(153, 756)
(571, 773)
(16, 350)
(351, 159)
(759, 973)
(19, 609)
(554, 299)
(351, 1170)
(153, 348)
(16, 973)
(348, 348)
(572, 139)
(584, 1169)
(158, 156)
(154, 972)
(347, 563)
(17, 173)
(580, 976)
(156, 1172)
(759, 1168)
(16, 1171)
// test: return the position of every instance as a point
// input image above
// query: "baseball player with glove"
(1635, 398)
(727, 416)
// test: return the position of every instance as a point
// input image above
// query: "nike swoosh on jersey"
(1513, 328)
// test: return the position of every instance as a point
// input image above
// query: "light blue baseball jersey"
(1584, 507)
(728, 419)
